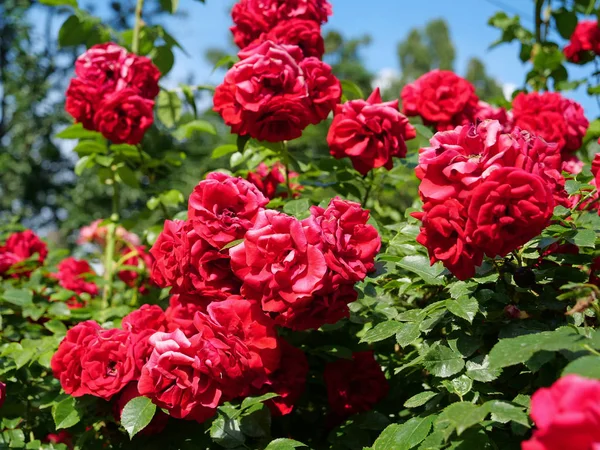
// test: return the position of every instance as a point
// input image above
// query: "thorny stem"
(135, 45)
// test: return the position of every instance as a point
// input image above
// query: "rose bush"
(292, 298)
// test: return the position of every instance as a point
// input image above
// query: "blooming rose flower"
(289, 380)
(188, 263)
(253, 17)
(552, 117)
(485, 111)
(508, 209)
(140, 259)
(19, 247)
(72, 274)
(223, 208)
(100, 65)
(147, 317)
(270, 94)
(159, 421)
(584, 43)
(355, 386)
(267, 180)
(66, 363)
(123, 117)
(60, 437)
(349, 243)
(234, 350)
(280, 262)
(441, 98)
(306, 34)
(183, 308)
(140, 74)
(370, 133)
(566, 415)
(97, 233)
(443, 234)
(81, 100)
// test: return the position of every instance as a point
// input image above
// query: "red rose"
(288, 381)
(441, 98)
(188, 263)
(159, 421)
(485, 111)
(443, 234)
(183, 307)
(148, 317)
(572, 164)
(234, 349)
(324, 89)
(552, 117)
(2, 393)
(81, 100)
(268, 180)
(72, 275)
(108, 364)
(349, 243)
(100, 66)
(66, 363)
(269, 96)
(123, 117)
(255, 17)
(141, 75)
(566, 415)
(370, 133)
(355, 386)
(306, 34)
(508, 209)
(19, 247)
(584, 43)
(280, 262)
(140, 259)
(60, 437)
(223, 208)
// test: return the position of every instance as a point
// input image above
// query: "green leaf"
(256, 421)
(460, 416)
(71, 32)
(586, 366)
(137, 414)
(251, 401)
(82, 164)
(382, 331)
(65, 413)
(351, 90)
(424, 131)
(169, 5)
(188, 130)
(408, 333)
(517, 350)
(419, 264)
(168, 108)
(585, 238)
(297, 208)
(77, 131)
(405, 436)
(461, 385)
(18, 297)
(284, 444)
(59, 310)
(89, 147)
(226, 432)
(72, 3)
(464, 307)
(163, 58)
(478, 369)
(420, 399)
(504, 412)
(128, 176)
(566, 21)
(223, 150)
(56, 327)
(442, 362)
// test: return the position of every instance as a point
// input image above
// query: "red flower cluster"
(296, 22)
(355, 386)
(114, 93)
(274, 93)
(140, 259)
(73, 274)
(267, 180)
(566, 415)
(96, 233)
(19, 248)
(552, 117)
(485, 192)
(585, 42)
(370, 133)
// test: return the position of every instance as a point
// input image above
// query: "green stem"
(286, 164)
(368, 179)
(109, 252)
(135, 45)
(539, 6)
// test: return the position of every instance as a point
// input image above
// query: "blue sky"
(387, 22)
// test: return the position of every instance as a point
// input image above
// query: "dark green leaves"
(65, 413)
(18, 297)
(587, 366)
(382, 331)
(405, 436)
(137, 414)
(443, 362)
(168, 108)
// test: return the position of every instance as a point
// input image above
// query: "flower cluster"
(283, 22)
(585, 42)
(485, 192)
(274, 92)
(18, 249)
(566, 415)
(113, 93)
(370, 133)
(96, 232)
(268, 180)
